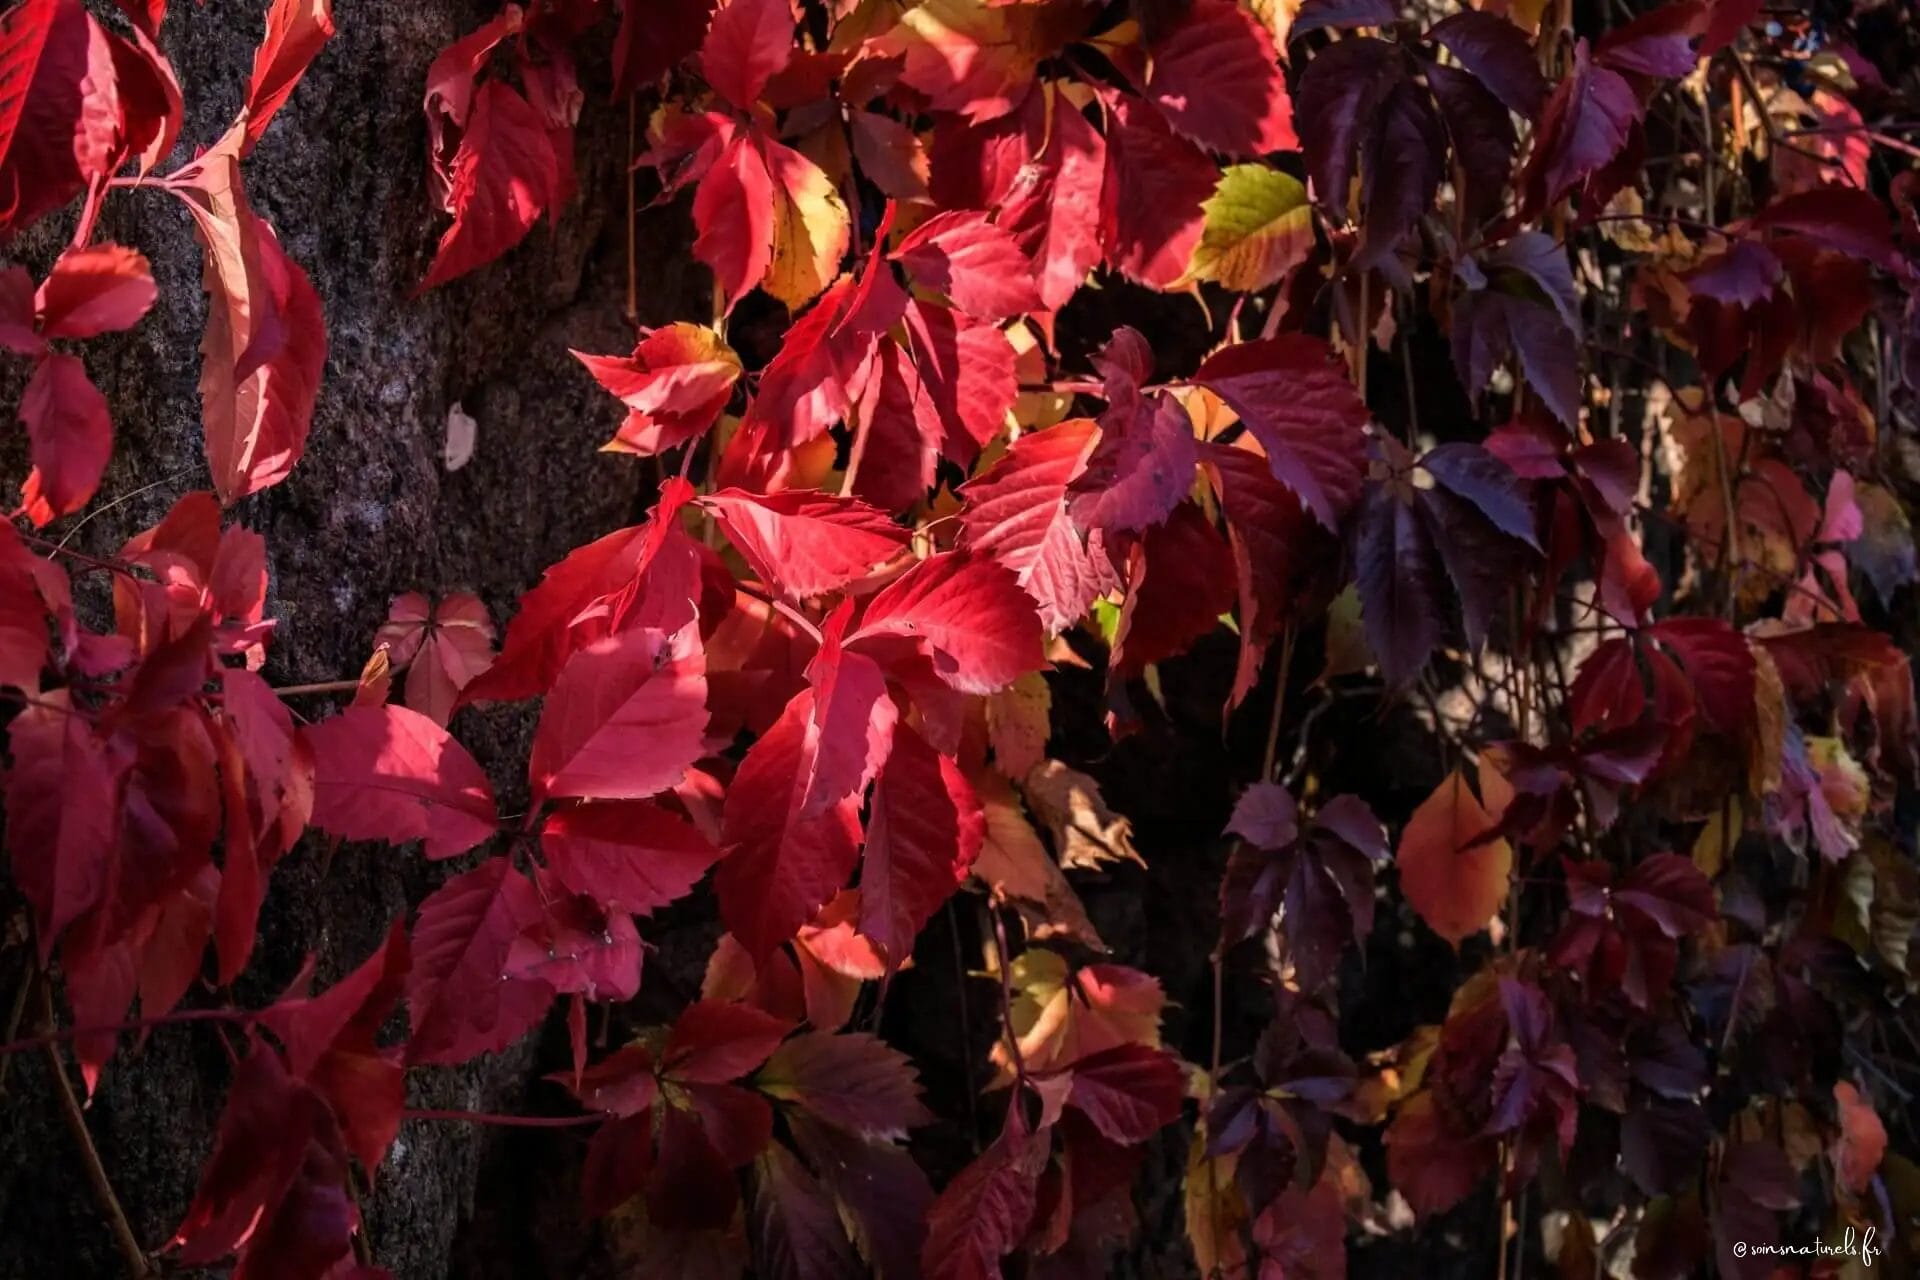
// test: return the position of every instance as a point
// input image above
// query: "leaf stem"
(781, 607)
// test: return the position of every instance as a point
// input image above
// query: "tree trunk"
(370, 512)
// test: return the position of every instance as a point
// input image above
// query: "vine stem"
(1282, 674)
(498, 1120)
(1730, 542)
(61, 549)
(123, 1237)
(58, 1035)
(966, 1024)
(321, 686)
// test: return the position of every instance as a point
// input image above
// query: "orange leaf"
(1455, 889)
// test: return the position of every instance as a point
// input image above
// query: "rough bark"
(370, 512)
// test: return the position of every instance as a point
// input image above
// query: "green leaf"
(1258, 227)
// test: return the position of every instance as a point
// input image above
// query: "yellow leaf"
(1258, 227)
(1716, 841)
(1216, 1213)
(1017, 868)
(1017, 725)
(810, 228)
(1062, 1015)
(1086, 833)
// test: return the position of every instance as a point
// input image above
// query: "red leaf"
(984, 1212)
(296, 32)
(59, 109)
(901, 433)
(100, 289)
(967, 370)
(852, 721)
(625, 719)
(459, 1001)
(621, 1084)
(1280, 554)
(654, 38)
(628, 576)
(330, 1043)
(443, 652)
(748, 43)
(969, 611)
(1041, 171)
(388, 773)
(974, 262)
(781, 864)
(449, 98)
(266, 776)
(1720, 667)
(265, 1130)
(806, 543)
(923, 834)
(880, 1189)
(1130, 1091)
(676, 382)
(1180, 579)
(856, 1082)
(1141, 469)
(1404, 161)
(1150, 205)
(630, 856)
(1016, 511)
(350, 1012)
(70, 436)
(1297, 402)
(504, 176)
(890, 155)
(796, 1222)
(809, 385)
(577, 947)
(1220, 44)
(1584, 126)
(714, 1041)
(63, 805)
(733, 211)
(265, 344)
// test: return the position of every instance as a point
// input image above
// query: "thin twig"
(123, 1237)
(500, 1121)
(322, 686)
